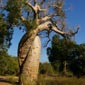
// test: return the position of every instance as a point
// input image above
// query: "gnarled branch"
(48, 25)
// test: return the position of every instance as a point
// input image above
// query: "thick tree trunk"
(29, 66)
(28, 52)
(36, 49)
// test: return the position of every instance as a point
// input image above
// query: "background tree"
(66, 56)
(8, 64)
(32, 17)
(58, 55)
(77, 59)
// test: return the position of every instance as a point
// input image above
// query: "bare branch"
(42, 10)
(71, 33)
(47, 43)
(43, 19)
(37, 8)
(57, 30)
(48, 25)
(30, 5)
(22, 18)
(34, 8)
(43, 26)
(48, 35)
(64, 34)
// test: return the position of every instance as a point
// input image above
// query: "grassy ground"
(45, 80)
(61, 81)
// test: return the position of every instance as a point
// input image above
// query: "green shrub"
(8, 64)
(46, 68)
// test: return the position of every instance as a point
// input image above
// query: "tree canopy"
(24, 15)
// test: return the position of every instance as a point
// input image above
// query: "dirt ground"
(4, 81)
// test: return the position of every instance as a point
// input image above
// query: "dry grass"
(61, 81)
(45, 80)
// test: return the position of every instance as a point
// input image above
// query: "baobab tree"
(32, 16)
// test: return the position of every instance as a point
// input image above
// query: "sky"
(75, 17)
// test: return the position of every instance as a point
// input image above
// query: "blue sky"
(74, 17)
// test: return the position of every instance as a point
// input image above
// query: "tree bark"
(29, 65)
